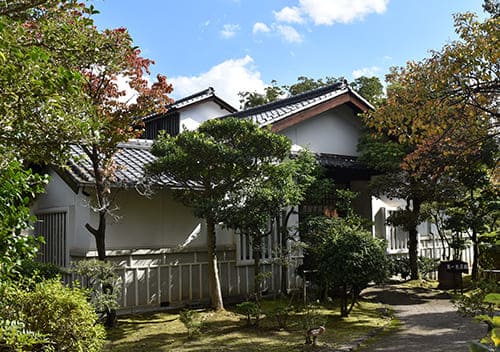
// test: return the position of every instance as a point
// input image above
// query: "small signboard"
(457, 266)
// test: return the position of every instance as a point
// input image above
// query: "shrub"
(15, 337)
(39, 271)
(347, 257)
(473, 303)
(401, 266)
(190, 319)
(105, 285)
(312, 318)
(49, 314)
(248, 309)
(281, 313)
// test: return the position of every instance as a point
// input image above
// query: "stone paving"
(429, 322)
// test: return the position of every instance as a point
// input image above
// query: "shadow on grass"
(227, 332)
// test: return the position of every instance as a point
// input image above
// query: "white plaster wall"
(192, 117)
(157, 222)
(394, 204)
(59, 196)
(336, 132)
(142, 223)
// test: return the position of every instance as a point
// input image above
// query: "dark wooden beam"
(346, 98)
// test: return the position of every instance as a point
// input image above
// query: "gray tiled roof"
(195, 98)
(192, 99)
(273, 112)
(130, 161)
(339, 161)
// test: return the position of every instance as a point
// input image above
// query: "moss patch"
(226, 331)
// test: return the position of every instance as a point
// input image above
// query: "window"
(52, 226)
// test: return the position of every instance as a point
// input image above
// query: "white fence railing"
(428, 247)
(175, 279)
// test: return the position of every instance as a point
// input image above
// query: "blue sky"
(237, 45)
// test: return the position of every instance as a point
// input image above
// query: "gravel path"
(429, 322)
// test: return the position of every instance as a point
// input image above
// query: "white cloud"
(328, 12)
(260, 27)
(289, 15)
(228, 78)
(229, 30)
(289, 34)
(366, 71)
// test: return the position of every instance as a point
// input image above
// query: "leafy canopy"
(220, 157)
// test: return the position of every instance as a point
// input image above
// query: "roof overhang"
(350, 98)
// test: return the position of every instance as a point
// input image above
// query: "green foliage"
(101, 278)
(15, 337)
(191, 320)
(369, 88)
(229, 170)
(311, 317)
(401, 266)
(347, 257)
(475, 302)
(249, 310)
(282, 315)
(493, 322)
(17, 188)
(216, 158)
(48, 314)
(275, 92)
(442, 112)
(39, 96)
(39, 271)
(305, 84)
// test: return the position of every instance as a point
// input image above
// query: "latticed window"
(52, 226)
(322, 204)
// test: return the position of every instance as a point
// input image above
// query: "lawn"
(226, 331)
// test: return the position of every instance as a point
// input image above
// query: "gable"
(335, 131)
(347, 98)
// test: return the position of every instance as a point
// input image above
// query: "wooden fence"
(177, 279)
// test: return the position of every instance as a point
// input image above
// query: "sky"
(242, 45)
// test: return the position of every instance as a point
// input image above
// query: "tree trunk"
(413, 241)
(475, 256)
(282, 228)
(257, 279)
(343, 302)
(213, 272)
(413, 253)
(100, 235)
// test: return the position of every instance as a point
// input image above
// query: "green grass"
(226, 331)
(420, 283)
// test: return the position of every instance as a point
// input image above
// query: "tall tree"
(211, 165)
(102, 58)
(40, 97)
(370, 88)
(440, 111)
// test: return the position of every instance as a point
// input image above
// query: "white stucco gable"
(336, 131)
